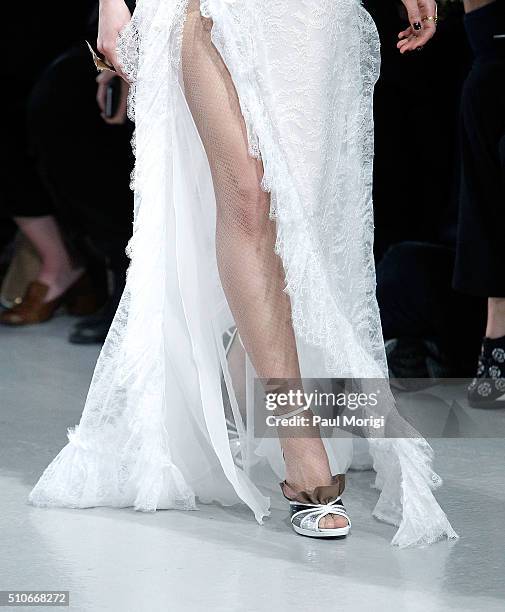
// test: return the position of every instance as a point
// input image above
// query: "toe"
(340, 521)
(333, 522)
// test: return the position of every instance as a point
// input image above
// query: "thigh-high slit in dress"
(253, 212)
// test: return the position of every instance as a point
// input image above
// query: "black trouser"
(83, 162)
(416, 301)
(417, 97)
(480, 261)
(48, 29)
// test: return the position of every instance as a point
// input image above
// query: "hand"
(422, 16)
(120, 117)
(113, 17)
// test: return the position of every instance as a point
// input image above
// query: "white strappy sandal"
(305, 519)
(308, 509)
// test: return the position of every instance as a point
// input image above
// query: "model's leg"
(251, 273)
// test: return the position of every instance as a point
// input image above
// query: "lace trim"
(351, 337)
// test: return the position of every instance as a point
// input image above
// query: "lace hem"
(406, 479)
(92, 473)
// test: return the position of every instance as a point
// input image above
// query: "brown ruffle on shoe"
(319, 495)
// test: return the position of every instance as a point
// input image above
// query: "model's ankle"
(495, 318)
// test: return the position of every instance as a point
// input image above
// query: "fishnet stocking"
(251, 273)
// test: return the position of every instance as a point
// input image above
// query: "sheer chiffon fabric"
(254, 147)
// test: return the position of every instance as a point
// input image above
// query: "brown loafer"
(80, 299)
(32, 309)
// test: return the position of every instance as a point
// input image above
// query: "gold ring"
(433, 17)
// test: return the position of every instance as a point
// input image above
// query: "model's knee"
(251, 206)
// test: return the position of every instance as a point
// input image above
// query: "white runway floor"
(221, 560)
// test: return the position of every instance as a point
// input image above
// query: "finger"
(408, 45)
(411, 45)
(405, 47)
(402, 43)
(109, 120)
(120, 115)
(414, 15)
(405, 33)
(100, 96)
(116, 120)
(408, 42)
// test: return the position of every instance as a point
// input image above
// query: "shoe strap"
(292, 413)
(319, 511)
(337, 500)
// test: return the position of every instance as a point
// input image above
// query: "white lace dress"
(164, 421)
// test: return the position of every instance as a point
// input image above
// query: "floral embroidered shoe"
(487, 389)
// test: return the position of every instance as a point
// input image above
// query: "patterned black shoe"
(487, 389)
